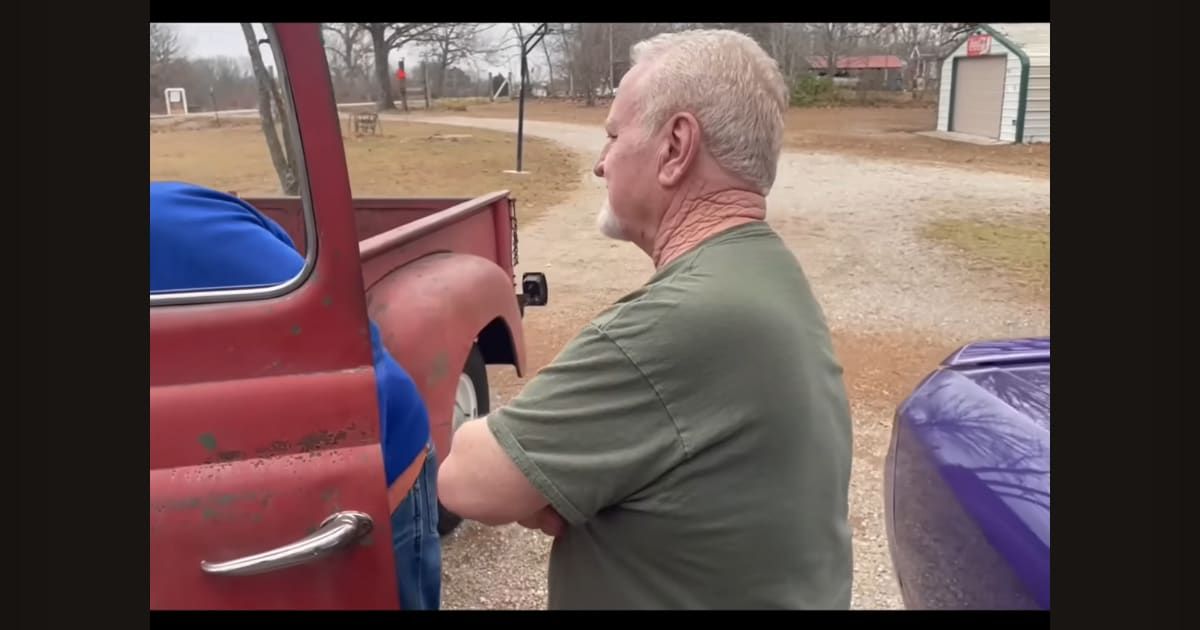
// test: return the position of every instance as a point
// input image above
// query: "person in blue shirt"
(204, 239)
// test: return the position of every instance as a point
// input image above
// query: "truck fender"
(430, 313)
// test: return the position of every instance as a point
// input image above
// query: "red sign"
(979, 45)
(400, 75)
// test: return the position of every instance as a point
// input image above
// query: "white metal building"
(996, 84)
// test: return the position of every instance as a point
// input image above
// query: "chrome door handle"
(336, 532)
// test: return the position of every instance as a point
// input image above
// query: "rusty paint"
(208, 441)
(321, 440)
(229, 456)
(189, 503)
(296, 330)
(278, 447)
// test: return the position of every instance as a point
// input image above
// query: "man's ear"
(681, 146)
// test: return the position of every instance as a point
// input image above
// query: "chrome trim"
(212, 296)
(336, 532)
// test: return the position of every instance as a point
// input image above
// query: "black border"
(714, 13)
(1116, 302)
(81, 446)
(1025, 620)
(81, 439)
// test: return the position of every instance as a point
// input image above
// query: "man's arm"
(584, 434)
(479, 481)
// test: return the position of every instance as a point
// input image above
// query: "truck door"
(267, 487)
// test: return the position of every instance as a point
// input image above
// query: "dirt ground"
(911, 256)
(871, 132)
(406, 160)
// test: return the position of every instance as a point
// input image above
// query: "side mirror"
(534, 290)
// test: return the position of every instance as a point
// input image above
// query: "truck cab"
(267, 487)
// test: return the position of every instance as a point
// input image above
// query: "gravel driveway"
(896, 307)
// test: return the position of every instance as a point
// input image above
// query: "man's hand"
(546, 519)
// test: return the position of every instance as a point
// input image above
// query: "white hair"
(730, 84)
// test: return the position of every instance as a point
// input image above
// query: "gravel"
(896, 306)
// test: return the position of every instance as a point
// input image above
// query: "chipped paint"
(296, 330)
(321, 440)
(217, 507)
(327, 301)
(278, 447)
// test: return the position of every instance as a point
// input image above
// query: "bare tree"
(164, 47)
(448, 45)
(386, 37)
(588, 52)
(270, 101)
(549, 64)
(837, 39)
(164, 44)
(349, 49)
(911, 40)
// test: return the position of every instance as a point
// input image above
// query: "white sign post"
(176, 97)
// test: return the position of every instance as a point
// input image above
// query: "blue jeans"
(416, 544)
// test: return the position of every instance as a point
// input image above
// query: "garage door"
(978, 95)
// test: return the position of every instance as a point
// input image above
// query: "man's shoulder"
(712, 283)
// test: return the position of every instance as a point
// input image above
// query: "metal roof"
(867, 62)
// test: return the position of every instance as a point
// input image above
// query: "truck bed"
(395, 231)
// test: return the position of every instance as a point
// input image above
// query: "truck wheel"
(470, 401)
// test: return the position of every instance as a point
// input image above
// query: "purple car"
(967, 481)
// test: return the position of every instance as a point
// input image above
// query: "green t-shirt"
(696, 437)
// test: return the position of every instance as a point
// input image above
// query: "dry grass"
(873, 132)
(1018, 249)
(407, 160)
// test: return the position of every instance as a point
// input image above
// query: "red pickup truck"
(267, 487)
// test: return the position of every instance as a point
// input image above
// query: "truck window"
(221, 119)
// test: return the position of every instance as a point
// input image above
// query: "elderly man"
(691, 447)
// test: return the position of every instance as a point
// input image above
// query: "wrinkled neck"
(696, 218)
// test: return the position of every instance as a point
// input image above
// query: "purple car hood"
(984, 419)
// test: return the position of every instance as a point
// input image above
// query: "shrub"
(813, 90)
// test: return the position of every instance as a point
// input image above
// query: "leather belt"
(398, 491)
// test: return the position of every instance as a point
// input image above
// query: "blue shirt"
(205, 239)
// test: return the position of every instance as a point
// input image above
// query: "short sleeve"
(589, 430)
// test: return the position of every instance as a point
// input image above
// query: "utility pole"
(527, 46)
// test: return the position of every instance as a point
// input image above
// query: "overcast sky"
(226, 40)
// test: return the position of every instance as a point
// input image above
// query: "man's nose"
(598, 169)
